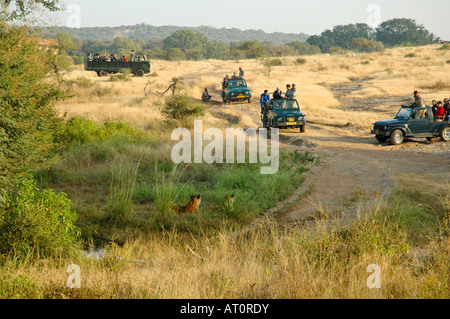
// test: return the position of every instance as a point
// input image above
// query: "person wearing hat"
(418, 102)
(277, 95)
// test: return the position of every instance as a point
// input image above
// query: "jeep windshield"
(236, 83)
(404, 113)
(285, 105)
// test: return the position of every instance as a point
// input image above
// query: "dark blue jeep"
(283, 114)
(417, 122)
(236, 90)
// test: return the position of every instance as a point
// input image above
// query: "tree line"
(188, 44)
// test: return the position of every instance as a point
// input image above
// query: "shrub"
(123, 75)
(179, 106)
(411, 55)
(20, 287)
(81, 131)
(445, 47)
(300, 61)
(37, 223)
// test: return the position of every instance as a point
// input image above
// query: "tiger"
(191, 207)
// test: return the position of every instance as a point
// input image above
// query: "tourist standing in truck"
(418, 102)
(241, 73)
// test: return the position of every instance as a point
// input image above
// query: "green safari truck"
(104, 68)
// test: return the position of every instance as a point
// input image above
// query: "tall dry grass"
(264, 263)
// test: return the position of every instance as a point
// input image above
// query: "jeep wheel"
(381, 139)
(397, 137)
(445, 134)
(104, 73)
(302, 129)
(140, 73)
(249, 100)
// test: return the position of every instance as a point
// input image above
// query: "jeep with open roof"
(236, 90)
(283, 114)
(408, 123)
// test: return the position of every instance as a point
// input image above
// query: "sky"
(289, 16)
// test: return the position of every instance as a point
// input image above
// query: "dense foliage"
(26, 95)
(390, 33)
(37, 223)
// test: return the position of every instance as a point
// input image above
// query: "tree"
(253, 49)
(217, 50)
(341, 36)
(186, 41)
(323, 42)
(24, 8)
(400, 31)
(175, 54)
(304, 48)
(26, 96)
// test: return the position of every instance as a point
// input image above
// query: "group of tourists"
(291, 94)
(441, 110)
(114, 57)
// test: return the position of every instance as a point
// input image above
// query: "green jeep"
(283, 114)
(236, 90)
(417, 122)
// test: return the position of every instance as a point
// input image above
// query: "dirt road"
(355, 171)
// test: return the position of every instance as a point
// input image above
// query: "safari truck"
(417, 122)
(283, 114)
(104, 68)
(236, 90)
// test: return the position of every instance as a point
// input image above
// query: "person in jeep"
(265, 99)
(418, 102)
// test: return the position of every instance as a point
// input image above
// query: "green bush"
(20, 287)
(300, 61)
(445, 47)
(82, 131)
(179, 106)
(37, 223)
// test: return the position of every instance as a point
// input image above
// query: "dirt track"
(355, 171)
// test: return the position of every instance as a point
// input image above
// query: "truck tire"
(445, 134)
(381, 139)
(396, 137)
(302, 129)
(104, 73)
(249, 100)
(140, 73)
